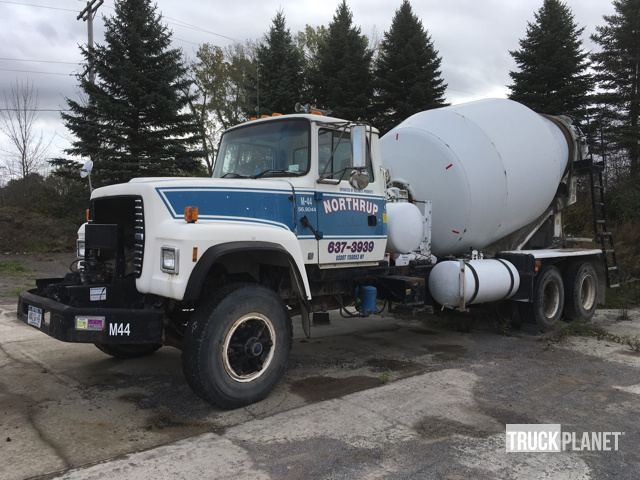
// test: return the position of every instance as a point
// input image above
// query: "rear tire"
(124, 352)
(237, 346)
(548, 298)
(581, 291)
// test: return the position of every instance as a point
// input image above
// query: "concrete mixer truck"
(306, 213)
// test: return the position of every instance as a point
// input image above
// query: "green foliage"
(340, 78)
(280, 81)
(308, 41)
(552, 72)
(53, 196)
(407, 74)
(618, 77)
(133, 122)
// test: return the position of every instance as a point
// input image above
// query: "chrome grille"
(138, 245)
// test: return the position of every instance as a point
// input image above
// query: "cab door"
(350, 221)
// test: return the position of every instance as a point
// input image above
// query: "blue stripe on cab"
(234, 204)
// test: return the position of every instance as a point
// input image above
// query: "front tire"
(237, 346)
(548, 298)
(581, 291)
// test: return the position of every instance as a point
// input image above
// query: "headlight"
(169, 259)
(80, 249)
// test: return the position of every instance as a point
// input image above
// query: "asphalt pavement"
(385, 397)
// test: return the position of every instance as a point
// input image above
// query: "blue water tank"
(368, 297)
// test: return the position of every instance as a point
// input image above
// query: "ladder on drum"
(603, 235)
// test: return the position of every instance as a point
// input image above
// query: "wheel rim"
(551, 303)
(587, 292)
(248, 347)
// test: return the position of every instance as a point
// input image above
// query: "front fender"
(211, 239)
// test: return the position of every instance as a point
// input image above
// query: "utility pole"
(87, 15)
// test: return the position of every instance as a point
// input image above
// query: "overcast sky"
(472, 36)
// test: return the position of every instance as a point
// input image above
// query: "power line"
(38, 61)
(37, 71)
(9, 2)
(34, 110)
(181, 23)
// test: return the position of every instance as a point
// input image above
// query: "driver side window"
(334, 154)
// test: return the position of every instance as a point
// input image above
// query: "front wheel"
(237, 346)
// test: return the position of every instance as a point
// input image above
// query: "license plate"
(34, 316)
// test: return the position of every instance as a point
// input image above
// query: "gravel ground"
(385, 397)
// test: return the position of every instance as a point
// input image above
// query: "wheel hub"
(249, 346)
(253, 347)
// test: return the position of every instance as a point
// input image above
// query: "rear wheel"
(548, 298)
(124, 352)
(237, 346)
(581, 291)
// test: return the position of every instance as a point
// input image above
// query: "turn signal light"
(87, 214)
(191, 214)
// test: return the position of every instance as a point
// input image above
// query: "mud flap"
(305, 317)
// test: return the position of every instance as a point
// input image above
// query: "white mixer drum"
(489, 167)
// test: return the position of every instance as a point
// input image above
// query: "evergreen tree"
(552, 66)
(342, 80)
(407, 71)
(133, 122)
(280, 71)
(617, 73)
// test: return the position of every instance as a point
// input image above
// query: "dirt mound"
(24, 231)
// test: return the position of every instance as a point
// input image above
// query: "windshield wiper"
(278, 171)
(234, 174)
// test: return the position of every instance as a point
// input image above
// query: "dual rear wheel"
(573, 294)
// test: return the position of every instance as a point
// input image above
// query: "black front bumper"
(71, 324)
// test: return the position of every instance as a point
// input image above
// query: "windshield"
(274, 148)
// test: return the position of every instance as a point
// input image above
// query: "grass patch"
(585, 329)
(384, 377)
(13, 268)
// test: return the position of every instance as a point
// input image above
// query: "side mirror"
(85, 171)
(359, 178)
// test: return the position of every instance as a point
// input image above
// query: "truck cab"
(310, 160)
(293, 220)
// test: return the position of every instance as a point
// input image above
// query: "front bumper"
(70, 324)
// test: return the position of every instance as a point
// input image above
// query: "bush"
(40, 214)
